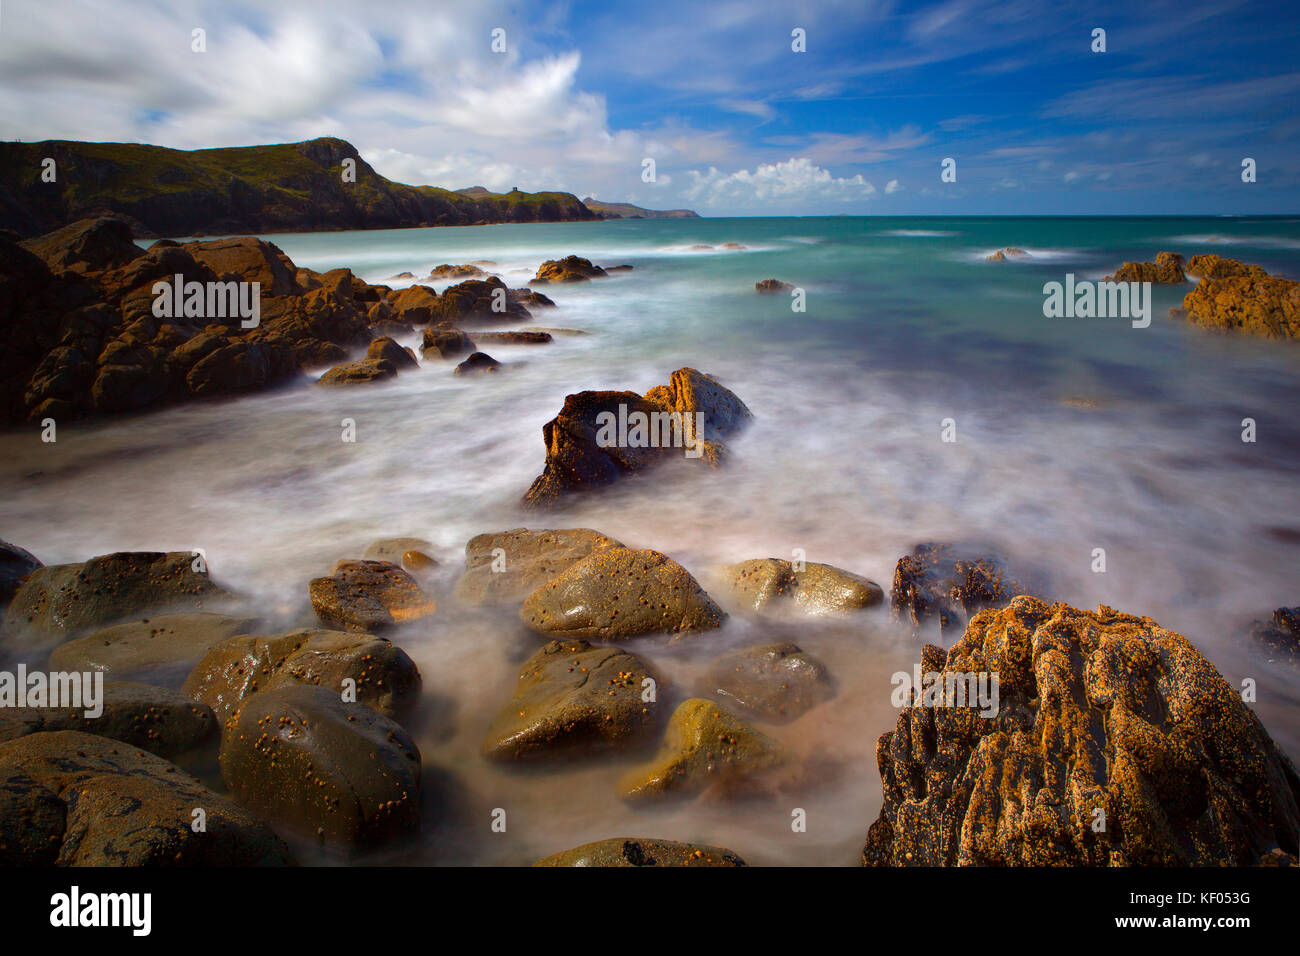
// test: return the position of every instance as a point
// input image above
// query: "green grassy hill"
(289, 187)
(625, 210)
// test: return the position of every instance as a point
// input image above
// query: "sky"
(578, 95)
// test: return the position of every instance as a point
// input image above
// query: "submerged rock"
(770, 584)
(573, 698)
(637, 851)
(396, 551)
(940, 582)
(1115, 743)
(568, 269)
(507, 566)
(1167, 270)
(157, 650)
(772, 286)
(515, 338)
(384, 359)
(76, 799)
(1010, 253)
(368, 596)
(619, 593)
(1263, 305)
(775, 681)
(369, 669)
(1280, 635)
(62, 601)
(479, 363)
(342, 773)
(706, 747)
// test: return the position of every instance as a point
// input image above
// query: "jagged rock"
(414, 305)
(1102, 718)
(444, 341)
(1009, 253)
(769, 584)
(63, 601)
(938, 581)
(568, 269)
(157, 650)
(1263, 305)
(774, 681)
(447, 271)
(15, 564)
(161, 721)
(479, 363)
(690, 391)
(1167, 269)
(1280, 635)
(482, 299)
(384, 359)
(249, 259)
(618, 593)
(638, 851)
(316, 766)
(772, 286)
(368, 596)
(505, 567)
(75, 799)
(706, 747)
(87, 245)
(382, 675)
(573, 698)
(1211, 266)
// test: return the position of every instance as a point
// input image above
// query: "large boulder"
(574, 699)
(161, 721)
(690, 392)
(318, 767)
(505, 567)
(638, 851)
(1211, 266)
(157, 650)
(480, 299)
(248, 259)
(382, 676)
(74, 799)
(478, 363)
(945, 583)
(706, 748)
(15, 564)
(568, 269)
(771, 584)
(384, 359)
(368, 596)
(620, 593)
(414, 305)
(1263, 305)
(63, 601)
(87, 246)
(1115, 742)
(777, 682)
(445, 341)
(1166, 270)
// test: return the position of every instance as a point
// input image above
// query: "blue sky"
(736, 122)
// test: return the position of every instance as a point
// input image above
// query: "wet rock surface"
(777, 682)
(368, 596)
(638, 851)
(1102, 716)
(771, 584)
(505, 567)
(944, 584)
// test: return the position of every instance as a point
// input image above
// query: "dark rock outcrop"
(1166, 270)
(15, 564)
(478, 363)
(772, 286)
(568, 269)
(1256, 304)
(939, 582)
(637, 851)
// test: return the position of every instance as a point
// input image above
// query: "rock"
(86, 246)
(479, 363)
(368, 596)
(1267, 306)
(1097, 711)
(238, 367)
(618, 593)
(403, 275)
(63, 601)
(622, 268)
(637, 851)
(1281, 634)
(75, 799)
(768, 584)
(1010, 252)
(734, 246)
(1211, 266)
(385, 349)
(584, 451)
(394, 550)
(15, 564)
(772, 286)
(249, 259)
(157, 650)
(507, 566)
(482, 299)
(446, 271)
(316, 766)
(414, 305)
(529, 298)
(359, 373)
(444, 341)
(155, 719)
(514, 338)
(775, 681)
(417, 562)
(573, 699)
(1167, 269)
(706, 747)
(383, 677)
(937, 581)
(568, 269)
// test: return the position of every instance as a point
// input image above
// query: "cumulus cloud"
(797, 180)
(892, 187)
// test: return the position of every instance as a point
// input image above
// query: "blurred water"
(905, 326)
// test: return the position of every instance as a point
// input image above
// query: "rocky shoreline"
(1114, 741)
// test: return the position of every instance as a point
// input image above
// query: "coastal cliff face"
(292, 187)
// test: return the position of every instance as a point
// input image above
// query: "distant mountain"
(291, 187)
(625, 210)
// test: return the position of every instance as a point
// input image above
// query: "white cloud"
(892, 187)
(796, 180)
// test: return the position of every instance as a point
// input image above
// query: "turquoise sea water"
(1072, 435)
